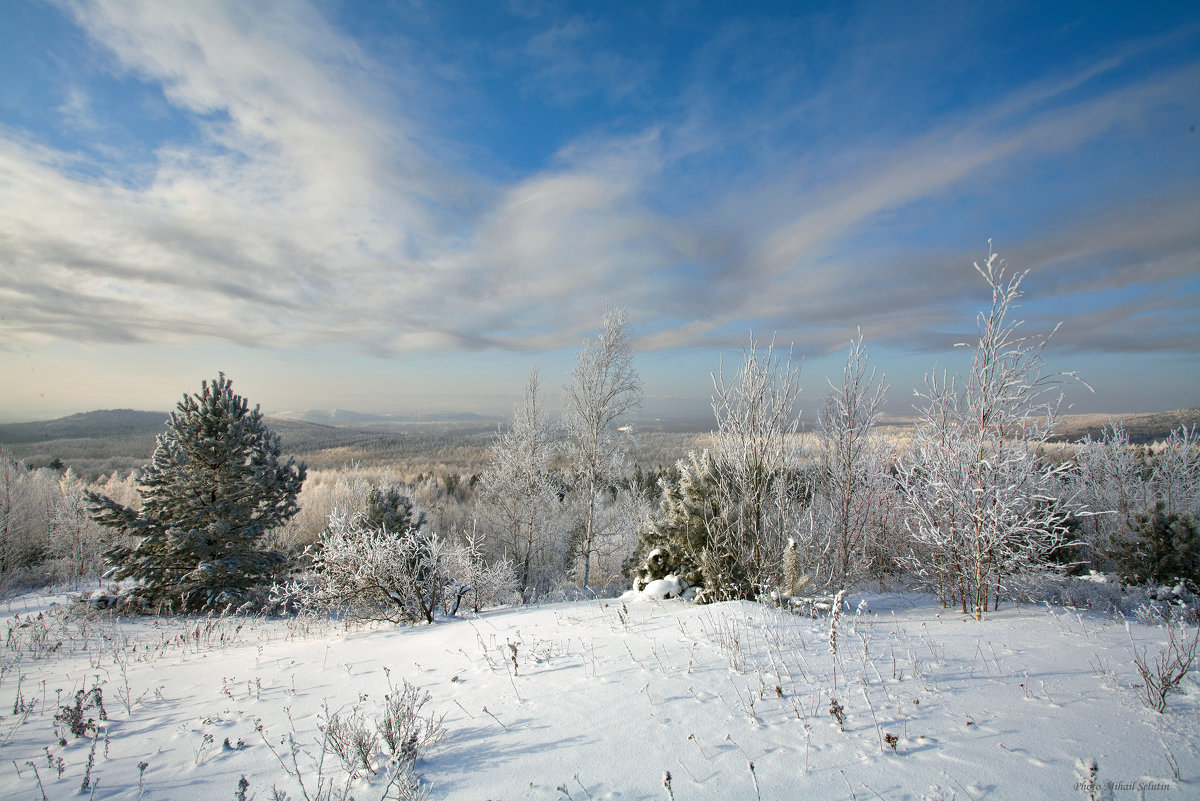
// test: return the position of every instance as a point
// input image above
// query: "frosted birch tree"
(1176, 473)
(604, 388)
(1110, 480)
(980, 503)
(520, 500)
(756, 453)
(851, 482)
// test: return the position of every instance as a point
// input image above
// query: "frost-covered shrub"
(471, 579)
(1149, 603)
(405, 730)
(1162, 673)
(1138, 500)
(375, 574)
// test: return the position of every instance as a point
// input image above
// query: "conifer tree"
(214, 486)
(689, 537)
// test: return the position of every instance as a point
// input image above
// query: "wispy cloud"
(319, 202)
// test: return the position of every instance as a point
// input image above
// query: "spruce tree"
(214, 486)
(690, 537)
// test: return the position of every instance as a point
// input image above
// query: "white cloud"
(318, 205)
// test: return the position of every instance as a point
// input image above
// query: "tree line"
(974, 507)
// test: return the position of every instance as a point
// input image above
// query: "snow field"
(597, 700)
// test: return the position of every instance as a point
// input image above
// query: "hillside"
(1142, 428)
(599, 701)
(112, 424)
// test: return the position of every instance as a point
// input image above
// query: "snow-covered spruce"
(214, 487)
(688, 536)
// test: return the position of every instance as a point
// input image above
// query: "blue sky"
(405, 205)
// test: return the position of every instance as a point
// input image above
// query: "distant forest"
(120, 440)
(111, 441)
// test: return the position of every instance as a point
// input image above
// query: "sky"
(404, 206)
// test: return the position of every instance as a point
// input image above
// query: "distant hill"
(1142, 428)
(332, 416)
(100, 424)
(120, 440)
(348, 417)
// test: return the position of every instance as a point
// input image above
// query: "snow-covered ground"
(599, 700)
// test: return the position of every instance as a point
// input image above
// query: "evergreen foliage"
(688, 538)
(388, 509)
(214, 486)
(1165, 549)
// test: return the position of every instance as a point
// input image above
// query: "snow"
(596, 700)
(670, 586)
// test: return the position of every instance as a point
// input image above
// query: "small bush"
(74, 716)
(1162, 675)
(405, 731)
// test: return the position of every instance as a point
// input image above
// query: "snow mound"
(670, 586)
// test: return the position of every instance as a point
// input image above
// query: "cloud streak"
(317, 201)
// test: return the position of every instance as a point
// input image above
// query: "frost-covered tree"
(26, 505)
(619, 516)
(19, 546)
(1111, 481)
(77, 542)
(851, 482)
(980, 503)
(604, 388)
(1139, 502)
(520, 498)
(214, 487)
(756, 453)
(1175, 476)
(689, 537)
(476, 581)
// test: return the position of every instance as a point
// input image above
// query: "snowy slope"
(603, 700)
